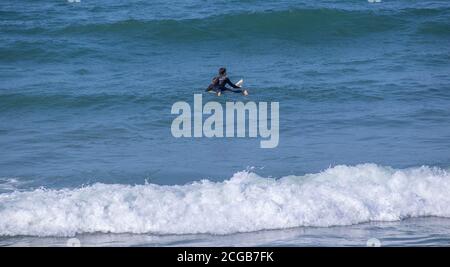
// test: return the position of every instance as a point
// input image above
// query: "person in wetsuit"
(219, 84)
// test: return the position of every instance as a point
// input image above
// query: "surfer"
(219, 83)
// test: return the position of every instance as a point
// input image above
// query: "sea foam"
(341, 195)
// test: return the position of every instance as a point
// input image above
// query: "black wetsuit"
(219, 85)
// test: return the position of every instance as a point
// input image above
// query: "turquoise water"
(86, 91)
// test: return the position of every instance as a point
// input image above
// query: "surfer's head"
(222, 71)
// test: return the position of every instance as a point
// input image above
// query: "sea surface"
(86, 150)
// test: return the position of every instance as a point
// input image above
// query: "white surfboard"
(244, 91)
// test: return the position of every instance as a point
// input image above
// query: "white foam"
(8, 184)
(341, 195)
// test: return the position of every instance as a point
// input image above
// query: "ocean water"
(86, 151)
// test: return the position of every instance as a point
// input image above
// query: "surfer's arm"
(231, 84)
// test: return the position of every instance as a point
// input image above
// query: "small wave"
(302, 26)
(291, 24)
(42, 51)
(17, 101)
(342, 195)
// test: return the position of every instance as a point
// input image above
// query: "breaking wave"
(341, 195)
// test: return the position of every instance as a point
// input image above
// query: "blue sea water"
(86, 90)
